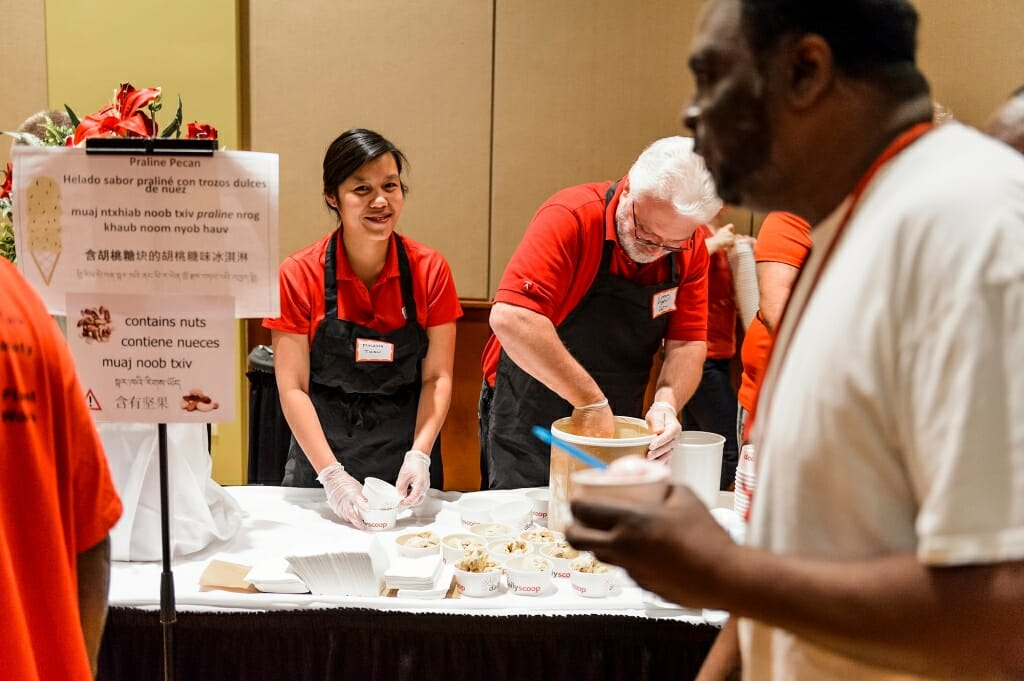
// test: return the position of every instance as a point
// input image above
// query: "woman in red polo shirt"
(365, 344)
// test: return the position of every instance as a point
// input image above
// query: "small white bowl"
(502, 551)
(539, 499)
(517, 514)
(379, 519)
(474, 511)
(529, 575)
(591, 584)
(417, 545)
(477, 584)
(379, 494)
(489, 532)
(561, 557)
(453, 546)
(539, 537)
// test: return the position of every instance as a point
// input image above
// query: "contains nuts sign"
(155, 360)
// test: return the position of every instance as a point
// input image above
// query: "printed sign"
(170, 225)
(154, 359)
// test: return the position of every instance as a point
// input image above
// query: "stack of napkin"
(413, 573)
(349, 573)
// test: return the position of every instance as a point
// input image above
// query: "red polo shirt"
(560, 254)
(301, 279)
(721, 305)
(784, 238)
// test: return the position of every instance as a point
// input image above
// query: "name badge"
(374, 350)
(663, 302)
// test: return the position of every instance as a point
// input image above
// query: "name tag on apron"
(374, 350)
(663, 302)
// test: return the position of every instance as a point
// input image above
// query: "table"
(223, 635)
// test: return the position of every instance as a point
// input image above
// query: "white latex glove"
(414, 478)
(344, 494)
(663, 420)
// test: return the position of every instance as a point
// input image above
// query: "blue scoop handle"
(544, 435)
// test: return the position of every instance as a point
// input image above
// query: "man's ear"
(808, 69)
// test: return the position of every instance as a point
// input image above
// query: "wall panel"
(580, 88)
(417, 72)
(23, 53)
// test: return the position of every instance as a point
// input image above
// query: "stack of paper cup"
(746, 482)
(744, 280)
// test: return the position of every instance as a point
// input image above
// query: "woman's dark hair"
(350, 151)
(865, 35)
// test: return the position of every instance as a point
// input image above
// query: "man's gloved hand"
(663, 419)
(594, 420)
(414, 478)
(344, 494)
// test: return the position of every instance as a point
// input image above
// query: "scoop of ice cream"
(635, 468)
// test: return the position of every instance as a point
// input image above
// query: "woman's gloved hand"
(414, 478)
(663, 420)
(344, 494)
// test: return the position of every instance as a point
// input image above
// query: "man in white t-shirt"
(886, 539)
(1007, 122)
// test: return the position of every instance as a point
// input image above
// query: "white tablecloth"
(280, 521)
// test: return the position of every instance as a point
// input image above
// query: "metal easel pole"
(167, 609)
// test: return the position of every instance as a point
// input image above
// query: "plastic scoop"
(544, 435)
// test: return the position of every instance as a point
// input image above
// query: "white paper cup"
(380, 495)
(474, 511)
(539, 537)
(517, 514)
(593, 484)
(561, 558)
(478, 584)
(528, 575)
(379, 519)
(697, 463)
(506, 549)
(417, 545)
(590, 584)
(454, 546)
(489, 532)
(539, 498)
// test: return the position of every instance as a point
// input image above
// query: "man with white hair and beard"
(886, 537)
(606, 273)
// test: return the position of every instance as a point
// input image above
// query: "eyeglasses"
(683, 245)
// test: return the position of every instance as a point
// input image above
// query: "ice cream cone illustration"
(44, 228)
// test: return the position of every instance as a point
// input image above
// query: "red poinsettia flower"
(126, 117)
(5, 188)
(201, 131)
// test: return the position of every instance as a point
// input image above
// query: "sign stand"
(166, 147)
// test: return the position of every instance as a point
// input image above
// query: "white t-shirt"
(893, 417)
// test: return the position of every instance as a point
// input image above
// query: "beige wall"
(23, 56)
(417, 72)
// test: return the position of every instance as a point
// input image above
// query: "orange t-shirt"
(784, 238)
(58, 498)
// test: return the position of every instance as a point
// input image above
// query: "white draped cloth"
(202, 512)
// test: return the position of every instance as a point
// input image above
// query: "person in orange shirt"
(783, 244)
(58, 504)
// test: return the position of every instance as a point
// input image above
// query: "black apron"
(612, 334)
(367, 409)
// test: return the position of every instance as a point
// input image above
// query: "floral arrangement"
(131, 114)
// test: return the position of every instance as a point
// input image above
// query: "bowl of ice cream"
(418, 544)
(539, 537)
(591, 578)
(454, 546)
(528, 575)
(477, 575)
(501, 551)
(561, 555)
(631, 479)
(491, 531)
